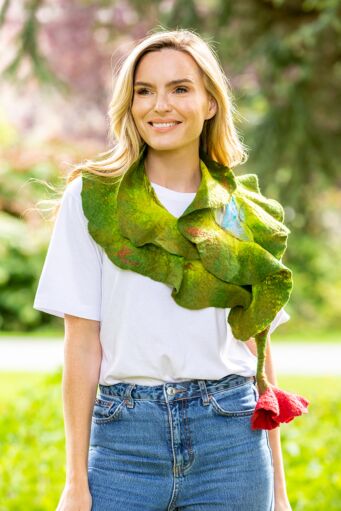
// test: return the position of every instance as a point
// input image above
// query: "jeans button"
(170, 391)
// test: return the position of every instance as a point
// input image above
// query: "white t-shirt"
(146, 337)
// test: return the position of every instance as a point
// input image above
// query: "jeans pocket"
(107, 410)
(237, 401)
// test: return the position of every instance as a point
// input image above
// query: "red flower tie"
(275, 406)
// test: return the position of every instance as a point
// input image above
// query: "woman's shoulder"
(72, 199)
(74, 188)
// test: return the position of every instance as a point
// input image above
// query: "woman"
(159, 280)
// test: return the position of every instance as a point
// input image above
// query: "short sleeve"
(281, 317)
(71, 277)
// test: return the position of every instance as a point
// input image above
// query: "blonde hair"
(219, 137)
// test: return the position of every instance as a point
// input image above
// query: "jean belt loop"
(204, 393)
(127, 395)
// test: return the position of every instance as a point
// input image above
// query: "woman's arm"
(281, 498)
(82, 361)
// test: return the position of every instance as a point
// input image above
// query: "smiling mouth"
(164, 124)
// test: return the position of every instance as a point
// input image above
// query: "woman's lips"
(163, 128)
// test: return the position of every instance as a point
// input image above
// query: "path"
(21, 354)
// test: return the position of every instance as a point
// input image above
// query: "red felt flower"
(275, 406)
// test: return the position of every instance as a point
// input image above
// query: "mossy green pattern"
(205, 264)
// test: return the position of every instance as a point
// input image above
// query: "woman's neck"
(178, 170)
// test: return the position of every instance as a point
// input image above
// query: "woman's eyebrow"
(172, 82)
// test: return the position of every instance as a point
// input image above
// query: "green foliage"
(32, 463)
(315, 298)
(22, 249)
(20, 266)
(312, 447)
(32, 445)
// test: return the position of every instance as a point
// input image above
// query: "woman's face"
(157, 98)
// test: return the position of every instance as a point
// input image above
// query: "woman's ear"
(212, 109)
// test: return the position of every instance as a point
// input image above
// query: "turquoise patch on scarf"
(233, 220)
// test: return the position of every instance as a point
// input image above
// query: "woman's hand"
(75, 498)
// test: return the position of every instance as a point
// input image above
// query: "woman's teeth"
(163, 124)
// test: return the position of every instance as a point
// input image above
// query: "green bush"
(24, 239)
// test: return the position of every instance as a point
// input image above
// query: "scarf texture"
(223, 251)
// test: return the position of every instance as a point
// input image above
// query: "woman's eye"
(183, 88)
(141, 91)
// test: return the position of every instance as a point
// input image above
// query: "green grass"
(12, 383)
(45, 333)
(312, 445)
(32, 442)
(307, 336)
(315, 388)
(32, 467)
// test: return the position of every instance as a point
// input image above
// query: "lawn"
(32, 467)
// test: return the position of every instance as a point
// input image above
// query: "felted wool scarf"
(204, 262)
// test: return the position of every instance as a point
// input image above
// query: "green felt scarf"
(205, 264)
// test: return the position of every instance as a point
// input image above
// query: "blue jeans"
(179, 446)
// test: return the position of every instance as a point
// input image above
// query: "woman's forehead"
(174, 65)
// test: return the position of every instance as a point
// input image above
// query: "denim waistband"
(174, 390)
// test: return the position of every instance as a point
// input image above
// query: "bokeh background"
(283, 61)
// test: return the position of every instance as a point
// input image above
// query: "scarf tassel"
(274, 406)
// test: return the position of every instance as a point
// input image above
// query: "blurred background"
(283, 61)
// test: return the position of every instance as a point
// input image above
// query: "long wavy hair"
(219, 137)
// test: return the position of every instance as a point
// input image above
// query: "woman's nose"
(161, 103)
